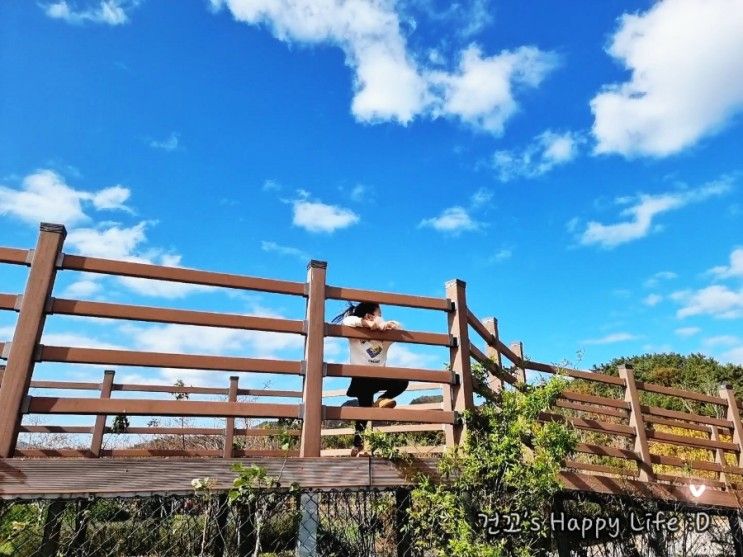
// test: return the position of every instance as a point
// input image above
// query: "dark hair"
(357, 310)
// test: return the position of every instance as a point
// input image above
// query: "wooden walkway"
(636, 437)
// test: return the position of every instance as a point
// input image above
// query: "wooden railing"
(24, 351)
(623, 434)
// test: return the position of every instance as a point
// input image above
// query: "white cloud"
(170, 143)
(452, 220)
(686, 82)
(390, 84)
(402, 356)
(114, 242)
(466, 19)
(358, 193)
(45, 196)
(717, 301)
(86, 286)
(687, 331)
(734, 356)
(642, 211)
(654, 280)
(611, 338)
(735, 269)
(271, 185)
(652, 300)
(481, 197)
(112, 198)
(480, 92)
(315, 216)
(188, 339)
(77, 340)
(722, 340)
(501, 255)
(110, 12)
(284, 250)
(546, 151)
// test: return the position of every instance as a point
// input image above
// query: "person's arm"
(352, 321)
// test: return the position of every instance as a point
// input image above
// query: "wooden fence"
(624, 434)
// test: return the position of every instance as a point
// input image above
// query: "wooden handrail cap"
(51, 227)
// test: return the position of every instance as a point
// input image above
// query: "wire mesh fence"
(275, 523)
(340, 523)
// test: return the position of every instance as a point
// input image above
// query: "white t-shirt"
(366, 352)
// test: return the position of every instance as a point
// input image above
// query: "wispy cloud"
(642, 212)
(284, 250)
(652, 300)
(734, 270)
(716, 300)
(109, 12)
(501, 255)
(611, 339)
(453, 220)
(457, 219)
(687, 331)
(659, 277)
(170, 143)
(546, 151)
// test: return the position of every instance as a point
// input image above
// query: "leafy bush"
(508, 463)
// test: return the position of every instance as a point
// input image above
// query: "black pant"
(366, 399)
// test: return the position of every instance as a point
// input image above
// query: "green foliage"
(249, 483)
(284, 438)
(695, 372)
(508, 464)
(120, 424)
(384, 445)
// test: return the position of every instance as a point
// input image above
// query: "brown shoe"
(385, 403)
(358, 451)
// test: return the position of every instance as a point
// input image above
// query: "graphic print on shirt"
(374, 350)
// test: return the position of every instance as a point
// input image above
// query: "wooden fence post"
(518, 349)
(313, 360)
(96, 444)
(719, 453)
(29, 327)
(645, 464)
(459, 396)
(726, 392)
(229, 428)
(491, 325)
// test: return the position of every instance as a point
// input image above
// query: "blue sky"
(578, 165)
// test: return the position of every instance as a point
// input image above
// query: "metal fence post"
(313, 358)
(308, 521)
(402, 510)
(28, 330)
(52, 527)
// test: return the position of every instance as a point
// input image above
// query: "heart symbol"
(697, 490)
